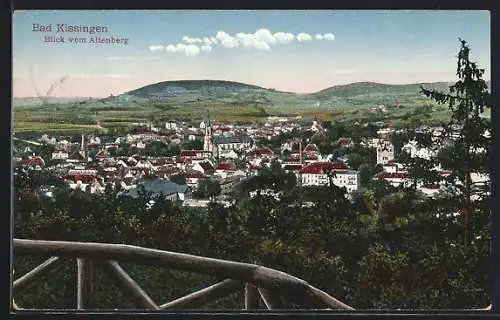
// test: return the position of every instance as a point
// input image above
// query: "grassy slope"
(227, 101)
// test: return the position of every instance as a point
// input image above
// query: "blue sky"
(299, 51)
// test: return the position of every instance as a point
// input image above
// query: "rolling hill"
(226, 101)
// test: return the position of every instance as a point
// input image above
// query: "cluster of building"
(229, 156)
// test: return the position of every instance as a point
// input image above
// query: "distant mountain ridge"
(176, 87)
(176, 93)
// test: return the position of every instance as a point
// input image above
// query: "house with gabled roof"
(193, 177)
(345, 142)
(396, 179)
(223, 144)
(35, 163)
(158, 186)
(260, 153)
(205, 167)
(102, 154)
(224, 169)
(319, 173)
(385, 151)
(60, 155)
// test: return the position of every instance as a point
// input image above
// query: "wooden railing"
(277, 290)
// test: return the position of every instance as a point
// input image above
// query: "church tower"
(84, 149)
(208, 141)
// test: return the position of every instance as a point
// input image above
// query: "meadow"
(226, 102)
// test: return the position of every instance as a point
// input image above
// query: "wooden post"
(85, 284)
(128, 285)
(252, 297)
(271, 300)
(318, 295)
(200, 297)
(38, 273)
(289, 286)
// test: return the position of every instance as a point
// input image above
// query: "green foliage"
(207, 188)
(179, 179)
(338, 246)
(192, 145)
(158, 149)
(386, 248)
(467, 100)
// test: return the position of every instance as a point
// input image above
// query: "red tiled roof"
(261, 151)
(33, 162)
(344, 141)
(311, 148)
(292, 167)
(392, 175)
(206, 165)
(195, 174)
(102, 154)
(222, 128)
(445, 173)
(390, 164)
(225, 166)
(321, 167)
(191, 153)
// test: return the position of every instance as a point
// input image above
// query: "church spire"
(207, 143)
(208, 123)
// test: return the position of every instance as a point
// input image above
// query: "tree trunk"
(468, 210)
(467, 193)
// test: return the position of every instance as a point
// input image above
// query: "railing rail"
(276, 289)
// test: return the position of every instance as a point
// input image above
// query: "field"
(56, 127)
(226, 102)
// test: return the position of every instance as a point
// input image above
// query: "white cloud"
(264, 35)
(221, 35)
(230, 43)
(206, 48)
(283, 38)
(191, 50)
(302, 37)
(329, 36)
(262, 39)
(226, 40)
(181, 47)
(245, 39)
(171, 48)
(156, 48)
(262, 46)
(190, 40)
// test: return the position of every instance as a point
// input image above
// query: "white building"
(316, 174)
(223, 144)
(171, 126)
(414, 150)
(395, 179)
(385, 151)
(60, 155)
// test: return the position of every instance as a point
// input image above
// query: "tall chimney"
(300, 151)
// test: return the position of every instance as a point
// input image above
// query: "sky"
(296, 51)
